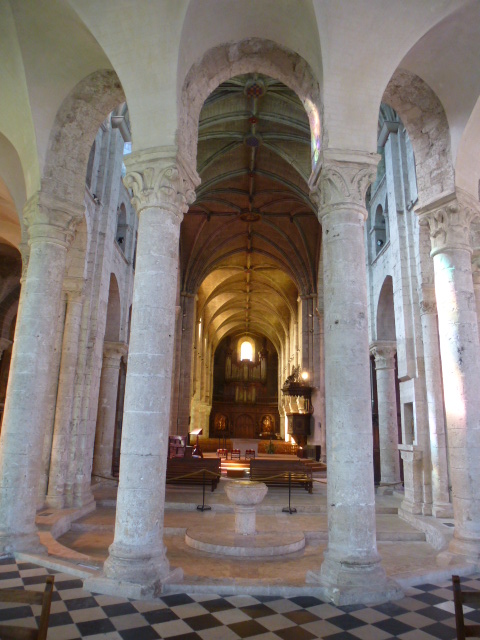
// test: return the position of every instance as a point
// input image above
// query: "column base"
(133, 590)
(444, 510)
(55, 502)
(385, 489)
(414, 508)
(139, 572)
(469, 549)
(12, 543)
(353, 583)
(427, 509)
(82, 496)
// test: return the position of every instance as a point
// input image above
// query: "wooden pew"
(314, 465)
(178, 467)
(261, 470)
(459, 599)
(17, 596)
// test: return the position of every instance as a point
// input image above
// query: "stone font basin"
(245, 492)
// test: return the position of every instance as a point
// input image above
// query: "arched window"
(246, 351)
(380, 229)
(121, 235)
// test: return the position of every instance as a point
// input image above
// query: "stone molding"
(428, 307)
(476, 266)
(449, 219)
(388, 127)
(428, 302)
(410, 452)
(73, 288)
(113, 352)
(158, 180)
(384, 353)
(50, 219)
(24, 249)
(343, 181)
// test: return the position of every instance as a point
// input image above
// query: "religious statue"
(267, 425)
(220, 422)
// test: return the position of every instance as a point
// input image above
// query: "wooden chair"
(222, 453)
(249, 454)
(459, 599)
(9, 632)
(235, 454)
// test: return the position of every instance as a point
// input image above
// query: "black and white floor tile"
(426, 613)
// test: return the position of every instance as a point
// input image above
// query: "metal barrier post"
(203, 506)
(289, 509)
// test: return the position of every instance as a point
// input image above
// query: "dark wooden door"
(244, 426)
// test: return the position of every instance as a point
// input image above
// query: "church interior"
(240, 246)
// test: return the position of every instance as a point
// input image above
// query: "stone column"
(384, 353)
(107, 407)
(186, 362)
(476, 281)
(65, 394)
(449, 224)
(51, 225)
(351, 571)
(51, 400)
(137, 565)
(412, 457)
(321, 388)
(177, 351)
(441, 506)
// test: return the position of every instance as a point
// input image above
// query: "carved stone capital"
(384, 353)
(448, 219)
(158, 180)
(428, 302)
(50, 219)
(24, 249)
(428, 307)
(476, 266)
(113, 352)
(343, 181)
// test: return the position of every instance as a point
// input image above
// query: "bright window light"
(246, 351)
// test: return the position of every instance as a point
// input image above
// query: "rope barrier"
(201, 507)
(194, 473)
(300, 477)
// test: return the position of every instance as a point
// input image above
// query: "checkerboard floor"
(424, 614)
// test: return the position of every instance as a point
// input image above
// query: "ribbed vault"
(250, 243)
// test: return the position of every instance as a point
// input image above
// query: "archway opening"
(114, 310)
(250, 248)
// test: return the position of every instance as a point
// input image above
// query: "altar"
(243, 444)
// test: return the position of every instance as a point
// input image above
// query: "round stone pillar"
(476, 281)
(107, 407)
(449, 224)
(51, 224)
(384, 353)
(137, 565)
(65, 394)
(441, 506)
(351, 571)
(185, 363)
